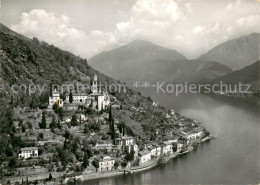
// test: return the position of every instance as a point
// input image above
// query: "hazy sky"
(87, 27)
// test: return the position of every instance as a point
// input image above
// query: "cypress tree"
(43, 122)
(110, 118)
(85, 161)
(70, 97)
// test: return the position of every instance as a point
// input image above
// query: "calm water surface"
(233, 158)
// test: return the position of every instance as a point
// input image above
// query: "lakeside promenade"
(149, 165)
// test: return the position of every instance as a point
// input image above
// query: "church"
(99, 99)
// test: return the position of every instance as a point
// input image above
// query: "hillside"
(26, 61)
(247, 75)
(236, 53)
(144, 61)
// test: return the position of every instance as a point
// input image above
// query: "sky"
(88, 27)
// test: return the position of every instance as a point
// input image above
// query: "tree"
(12, 163)
(53, 124)
(43, 122)
(130, 156)
(70, 97)
(174, 147)
(74, 121)
(95, 164)
(40, 136)
(32, 104)
(112, 130)
(110, 118)
(60, 112)
(116, 164)
(65, 144)
(12, 100)
(59, 125)
(74, 147)
(85, 161)
(91, 103)
(50, 177)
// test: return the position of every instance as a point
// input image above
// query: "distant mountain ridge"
(236, 53)
(248, 75)
(143, 61)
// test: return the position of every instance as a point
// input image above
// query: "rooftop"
(144, 152)
(29, 148)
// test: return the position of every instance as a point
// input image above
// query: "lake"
(232, 158)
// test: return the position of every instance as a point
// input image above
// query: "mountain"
(248, 75)
(236, 53)
(144, 61)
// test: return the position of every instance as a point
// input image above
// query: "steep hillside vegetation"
(26, 61)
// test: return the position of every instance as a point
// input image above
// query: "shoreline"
(137, 169)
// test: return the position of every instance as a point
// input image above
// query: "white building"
(145, 156)
(125, 141)
(106, 163)
(103, 101)
(55, 98)
(79, 98)
(28, 152)
(193, 135)
(133, 147)
(167, 148)
(152, 150)
(82, 117)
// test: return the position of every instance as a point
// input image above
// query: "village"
(80, 137)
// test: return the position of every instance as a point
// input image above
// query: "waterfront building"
(132, 147)
(152, 150)
(167, 148)
(105, 163)
(144, 156)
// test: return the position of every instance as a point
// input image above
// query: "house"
(167, 148)
(158, 149)
(125, 141)
(68, 120)
(82, 117)
(144, 156)
(152, 150)
(28, 152)
(132, 147)
(79, 98)
(128, 140)
(192, 135)
(105, 163)
(103, 146)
